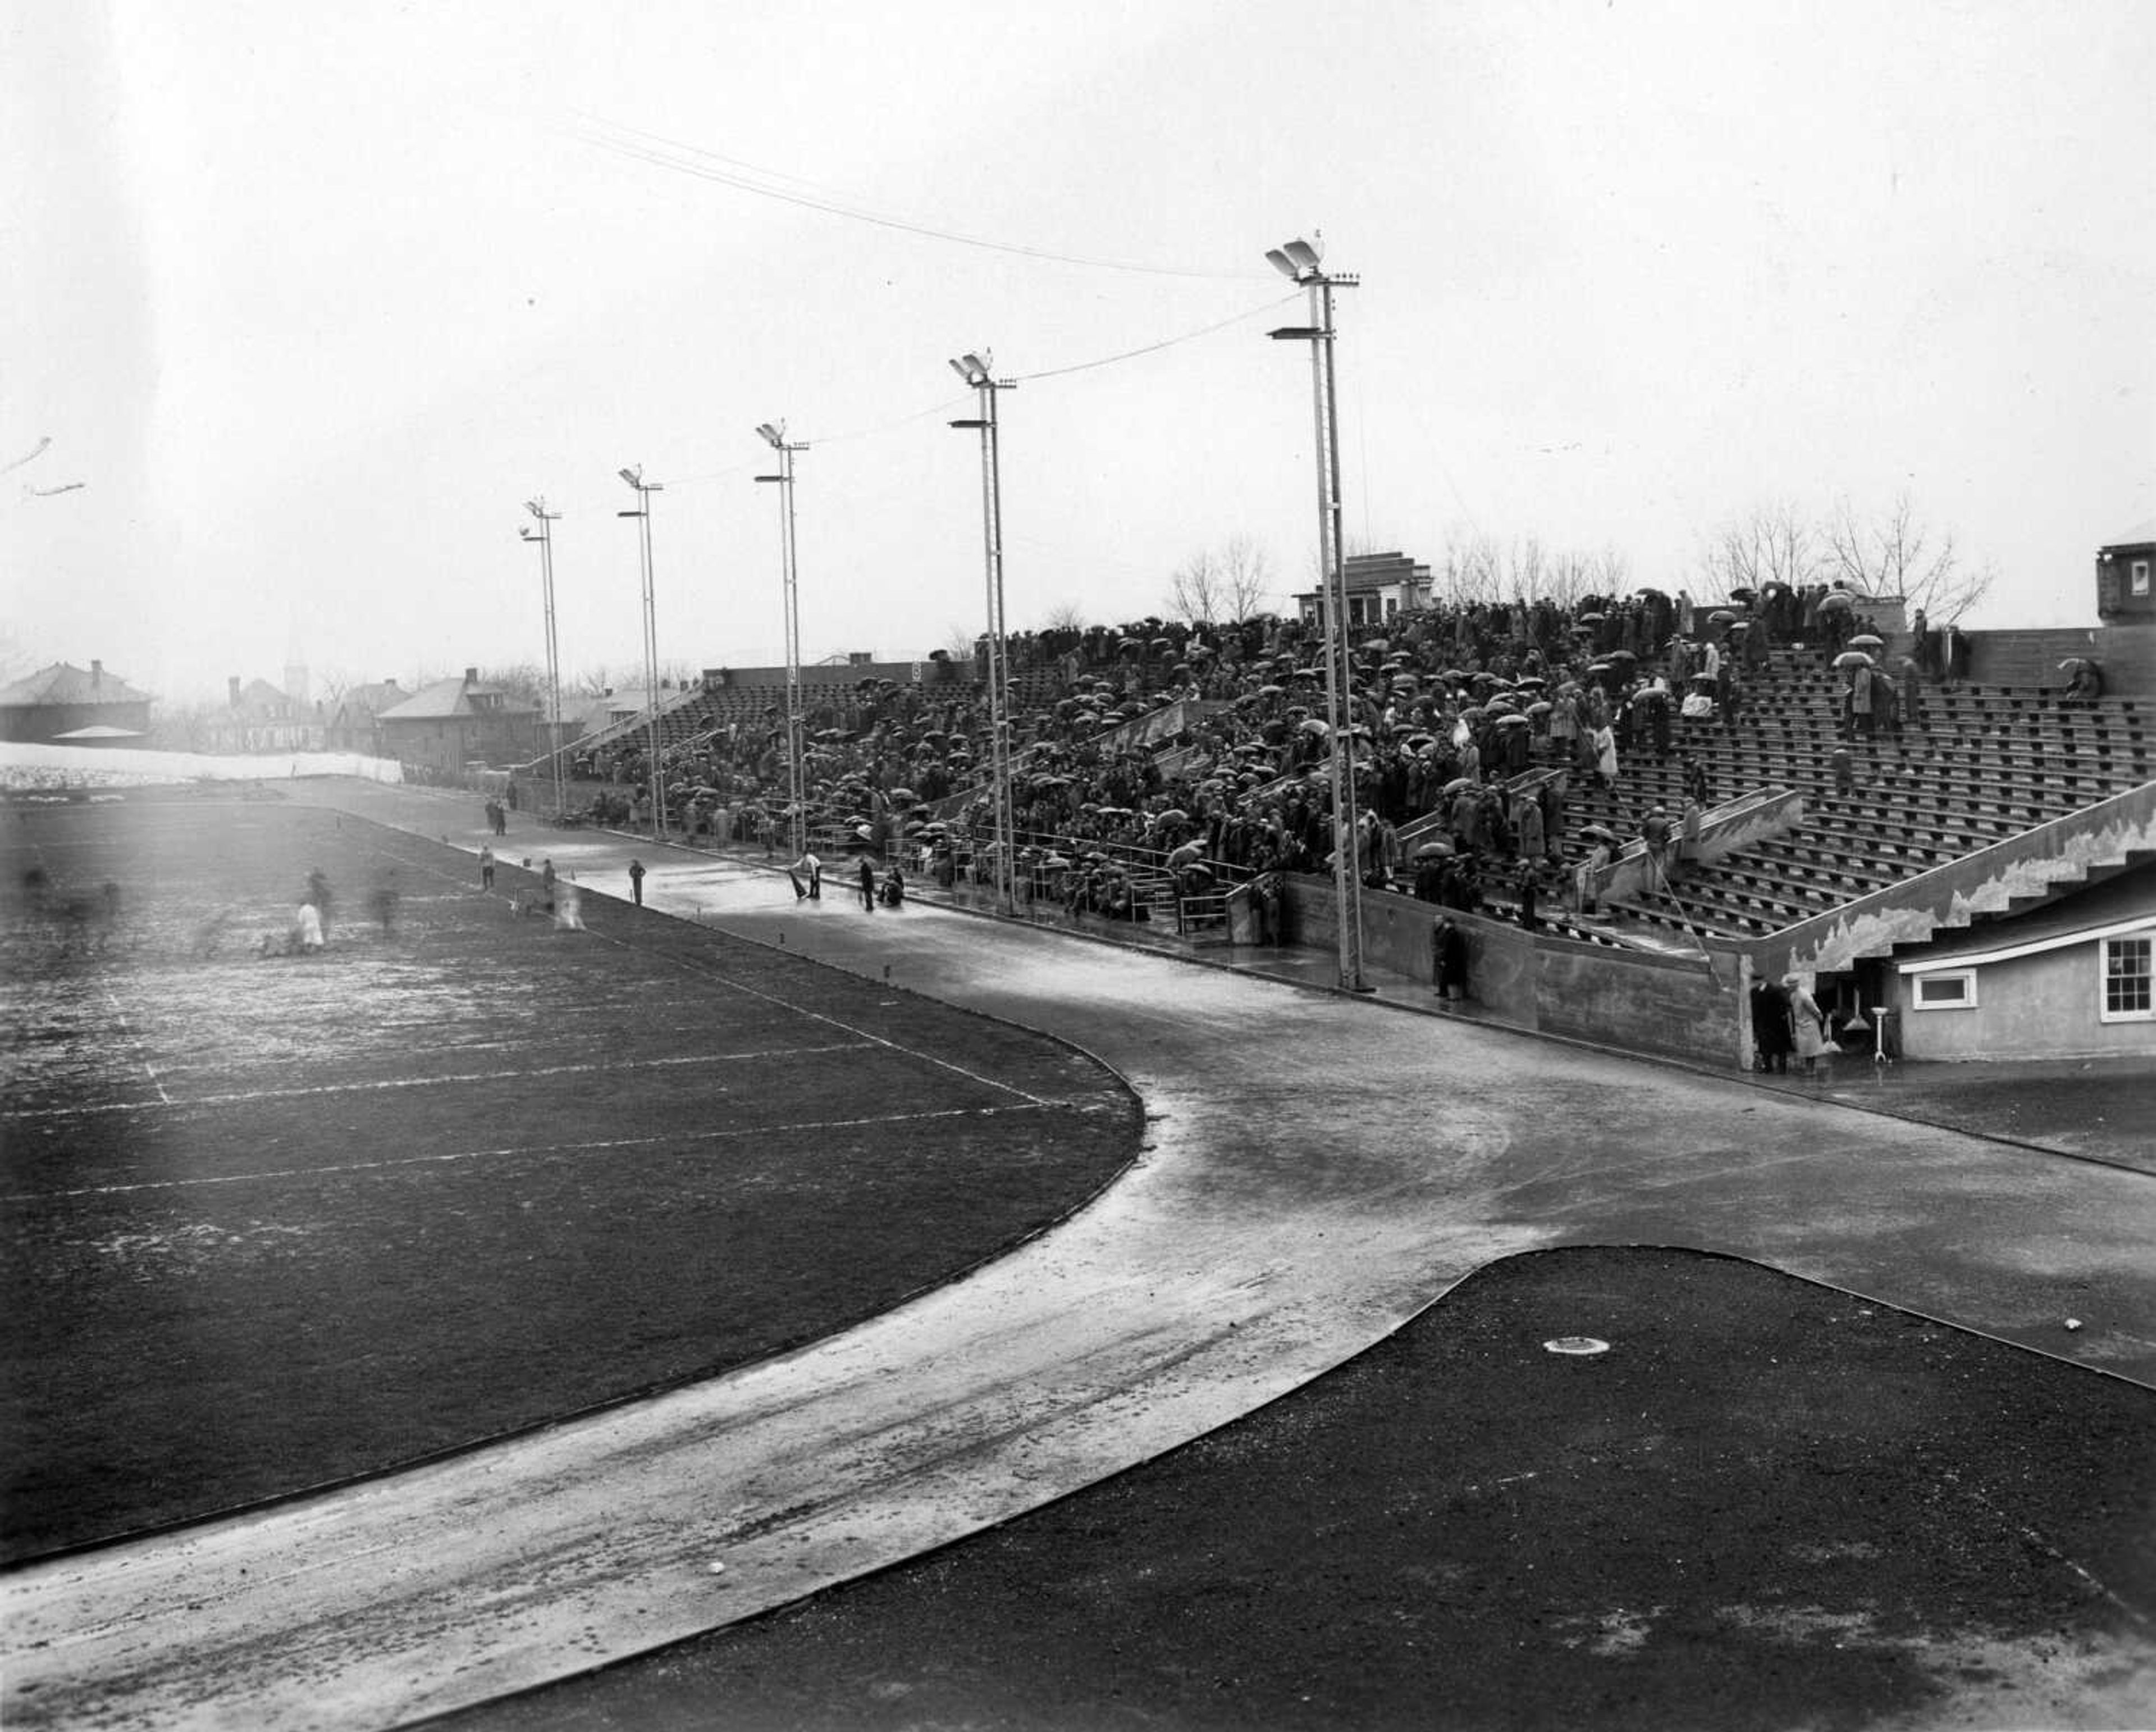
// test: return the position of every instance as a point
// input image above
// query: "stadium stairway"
(1987, 766)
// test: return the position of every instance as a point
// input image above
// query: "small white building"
(2075, 979)
(1379, 587)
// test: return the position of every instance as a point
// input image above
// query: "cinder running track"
(1318, 1171)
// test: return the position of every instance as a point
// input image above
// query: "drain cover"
(1575, 1345)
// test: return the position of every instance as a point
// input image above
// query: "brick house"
(62, 701)
(455, 723)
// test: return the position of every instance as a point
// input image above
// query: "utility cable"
(683, 158)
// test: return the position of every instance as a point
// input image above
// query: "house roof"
(64, 683)
(261, 697)
(2035, 945)
(2141, 535)
(372, 700)
(452, 697)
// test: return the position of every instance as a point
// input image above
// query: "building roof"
(452, 697)
(263, 698)
(64, 683)
(2033, 945)
(2141, 535)
(2114, 907)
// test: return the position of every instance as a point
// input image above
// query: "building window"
(1954, 991)
(2128, 980)
(2140, 577)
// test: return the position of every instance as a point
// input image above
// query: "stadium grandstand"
(1638, 810)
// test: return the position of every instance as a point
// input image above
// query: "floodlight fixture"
(977, 371)
(543, 535)
(645, 489)
(773, 433)
(1301, 263)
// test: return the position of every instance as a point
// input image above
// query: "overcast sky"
(311, 299)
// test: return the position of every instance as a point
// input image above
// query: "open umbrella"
(1721, 616)
(1598, 832)
(1460, 785)
(2072, 664)
(1836, 601)
(1852, 658)
(1512, 721)
(1867, 641)
(1434, 850)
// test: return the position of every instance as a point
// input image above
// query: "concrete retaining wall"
(1634, 1000)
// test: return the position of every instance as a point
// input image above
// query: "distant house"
(353, 723)
(2075, 979)
(258, 717)
(452, 724)
(2124, 590)
(64, 705)
(1379, 587)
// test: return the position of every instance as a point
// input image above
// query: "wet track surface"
(1319, 1171)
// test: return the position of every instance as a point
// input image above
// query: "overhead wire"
(949, 403)
(661, 151)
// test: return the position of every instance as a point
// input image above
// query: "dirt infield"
(274, 1222)
(1766, 1505)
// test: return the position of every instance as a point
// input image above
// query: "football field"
(273, 1221)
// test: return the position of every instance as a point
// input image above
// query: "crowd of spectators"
(1203, 751)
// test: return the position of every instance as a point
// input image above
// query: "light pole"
(975, 370)
(645, 489)
(1301, 263)
(545, 536)
(796, 793)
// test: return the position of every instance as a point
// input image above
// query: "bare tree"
(520, 680)
(1776, 543)
(1608, 573)
(1064, 616)
(1897, 553)
(1246, 580)
(1471, 571)
(1193, 589)
(1222, 585)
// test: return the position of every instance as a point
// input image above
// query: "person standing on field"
(636, 881)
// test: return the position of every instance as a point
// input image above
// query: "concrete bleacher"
(1989, 764)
